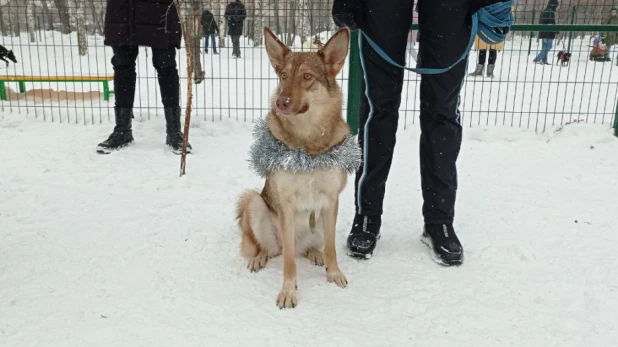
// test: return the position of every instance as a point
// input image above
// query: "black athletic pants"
(445, 31)
(163, 60)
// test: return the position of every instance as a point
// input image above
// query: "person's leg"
(382, 84)
(123, 62)
(164, 61)
(482, 56)
(539, 55)
(493, 55)
(547, 44)
(236, 42)
(206, 37)
(214, 43)
(481, 63)
(445, 36)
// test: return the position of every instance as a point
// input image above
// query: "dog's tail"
(249, 247)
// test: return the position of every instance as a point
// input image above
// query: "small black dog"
(563, 57)
(5, 53)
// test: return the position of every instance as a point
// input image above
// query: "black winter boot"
(174, 137)
(364, 236)
(443, 243)
(122, 135)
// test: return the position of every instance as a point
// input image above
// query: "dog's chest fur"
(310, 191)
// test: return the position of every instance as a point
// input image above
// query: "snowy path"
(118, 251)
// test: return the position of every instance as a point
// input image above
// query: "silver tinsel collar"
(270, 155)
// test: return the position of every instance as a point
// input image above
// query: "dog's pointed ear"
(336, 50)
(275, 49)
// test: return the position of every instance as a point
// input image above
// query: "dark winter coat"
(235, 14)
(209, 23)
(548, 17)
(611, 38)
(152, 23)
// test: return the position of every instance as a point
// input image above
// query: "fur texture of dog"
(5, 53)
(563, 58)
(296, 213)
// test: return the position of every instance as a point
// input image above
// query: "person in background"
(235, 15)
(482, 46)
(445, 27)
(611, 38)
(157, 27)
(211, 30)
(548, 17)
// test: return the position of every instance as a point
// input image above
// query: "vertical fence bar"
(616, 120)
(531, 33)
(354, 84)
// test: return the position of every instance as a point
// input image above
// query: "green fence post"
(572, 22)
(2, 91)
(354, 85)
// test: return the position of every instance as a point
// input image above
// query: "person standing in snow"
(235, 15)
(548, 17)
(155, 24)
(611, 38)
(211, 29)
(482, 48)
(445, 28)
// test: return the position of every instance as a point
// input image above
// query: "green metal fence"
(522, 94)
(53, 40)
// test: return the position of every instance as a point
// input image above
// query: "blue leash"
(491, 23)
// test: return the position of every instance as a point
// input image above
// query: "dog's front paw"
(258, 263)
(316, 257)
(287, 296)
(337, 277)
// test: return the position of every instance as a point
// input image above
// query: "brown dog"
(296, 213)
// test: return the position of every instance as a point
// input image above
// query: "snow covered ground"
(119, 251)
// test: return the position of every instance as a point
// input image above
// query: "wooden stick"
(188, 48)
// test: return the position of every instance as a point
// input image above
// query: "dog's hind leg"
(259, 240)
(315, 256)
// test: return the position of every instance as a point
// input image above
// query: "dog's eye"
(307, 76)
(284, 75)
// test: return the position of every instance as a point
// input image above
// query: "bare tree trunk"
(14, 18)
(97, 21)
(291, 24)
(80, 16)
(47, 17)
(193, 30)
(4, 22)
(258, 23)
(278, 30)
(223, 23)
(30, 20)
(303, 26)
(63, 13)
